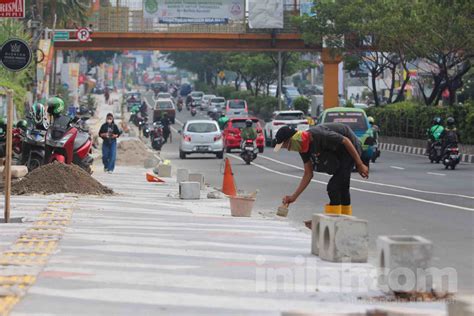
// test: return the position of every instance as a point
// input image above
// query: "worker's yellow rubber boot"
(346, 210)
(332, 209)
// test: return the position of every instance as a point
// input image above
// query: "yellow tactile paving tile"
(33, 248)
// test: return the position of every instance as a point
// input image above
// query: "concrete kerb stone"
(164, 170)
(197, 177)
(404, 257)
(343, 239)
(182, 175)
(461, 305)
(189, 190)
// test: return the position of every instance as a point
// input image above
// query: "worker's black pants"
(339, 184)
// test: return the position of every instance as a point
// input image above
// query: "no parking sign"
(83, 35)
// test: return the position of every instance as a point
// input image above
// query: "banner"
(266, 14)
(12, 8)
(194, 11)
(74, 82)
(44, 68)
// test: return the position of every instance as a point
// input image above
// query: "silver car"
(201, 137)
(217, 104)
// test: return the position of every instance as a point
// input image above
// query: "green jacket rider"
(222, 121)
(248, 132)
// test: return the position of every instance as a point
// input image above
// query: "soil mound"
(59, 178)
(131, 153)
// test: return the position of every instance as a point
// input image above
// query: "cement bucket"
(241, 206)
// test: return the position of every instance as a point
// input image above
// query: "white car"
(163, 95)
(201, 137)
(206, 99)
(197, 98)
(295, 119)
(217, 105)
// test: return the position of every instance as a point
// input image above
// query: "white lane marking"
(360, 190)
(436, 174)
(375, 183)
(398, 168)
(420, 156)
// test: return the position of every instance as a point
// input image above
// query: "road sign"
(83, 35)
(61, 36)
(15, 54)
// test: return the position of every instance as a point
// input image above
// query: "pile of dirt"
(59, 178)
(131, 153)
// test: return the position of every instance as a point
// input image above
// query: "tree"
(96, 58)
(440, 31)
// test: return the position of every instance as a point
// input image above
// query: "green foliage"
(64, 94)
(302, 104)
(411, 120)
(224, 91)
(18, 97)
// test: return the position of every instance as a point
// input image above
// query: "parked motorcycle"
(451, 156)
(436, 152)
(248, 151)
(34, 148)
(156, 136)
(66, 143)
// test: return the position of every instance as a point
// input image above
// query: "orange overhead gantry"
(244, 42)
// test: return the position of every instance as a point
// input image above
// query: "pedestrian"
(332, 148)
(109, 132)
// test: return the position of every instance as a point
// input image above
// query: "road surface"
(404, 195)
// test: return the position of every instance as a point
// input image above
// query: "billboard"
(266, 14)
(12, 8)
(194, 11)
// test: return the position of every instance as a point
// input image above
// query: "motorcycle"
(141, 122)
(451, 156)
(66, 143)
(435, 152)
(248, 151)
(34, 146)
(376, 153)
(156, 136)
(193, 111)
(146, 130)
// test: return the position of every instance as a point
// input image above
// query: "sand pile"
(132, 153)
(59, 178)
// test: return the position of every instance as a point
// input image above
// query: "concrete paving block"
(182, 175)
(164, 171)
(189, 190)
(151, 162)
(19, 172)
(343, 239)
(197, 177)
(462, 305)
(315, 232)
(403, 262)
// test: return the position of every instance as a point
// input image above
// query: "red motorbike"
(67, 143)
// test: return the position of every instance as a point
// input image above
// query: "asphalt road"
(404, 195)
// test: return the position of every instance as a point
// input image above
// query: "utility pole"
(279, 81)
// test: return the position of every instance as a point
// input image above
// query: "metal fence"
(128, 16)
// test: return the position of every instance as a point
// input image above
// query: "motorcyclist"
(248, 132)
(165, 122)
(450, 134)
(189, 100)
(374, 127)
(144, 109)
(434, 133)
(222, 121)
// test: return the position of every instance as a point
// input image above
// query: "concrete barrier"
(164, 171)
(462, 305)
(151, 162)
(19, 171)
(197, 177)
(189, 190)
(182, 175)
(343, 239)
(403, 262)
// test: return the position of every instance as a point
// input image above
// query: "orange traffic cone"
(228, 185)
(152, 178)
